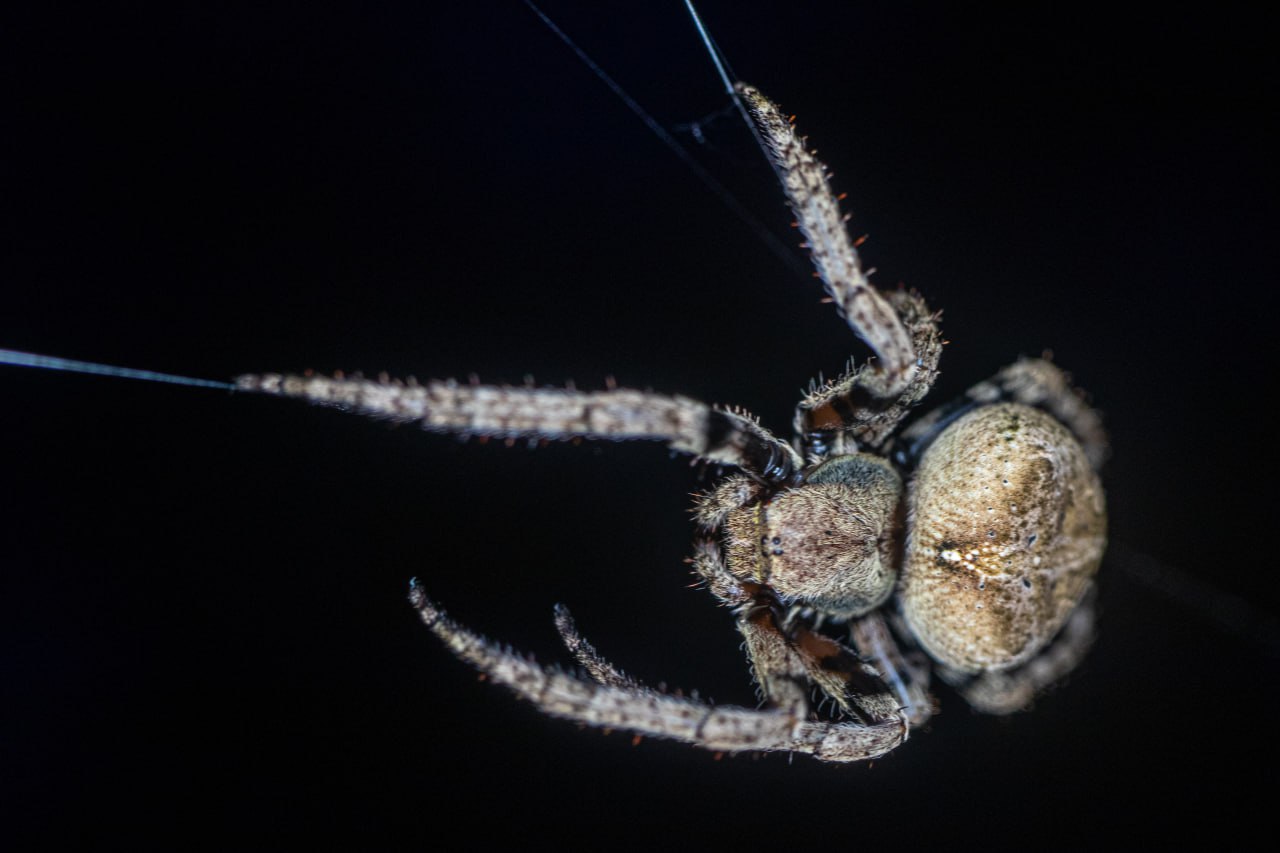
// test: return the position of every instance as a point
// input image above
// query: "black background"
(204, 631)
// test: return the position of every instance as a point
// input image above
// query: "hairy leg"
(646, 712)
(687, 425)
(907, 679)
(817, 211)
(786, 661)
(600, 669)
(846, 413)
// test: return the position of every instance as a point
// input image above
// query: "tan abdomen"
(1008, 524)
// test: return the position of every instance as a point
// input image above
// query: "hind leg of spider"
(645, 712)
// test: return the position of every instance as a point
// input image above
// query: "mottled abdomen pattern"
(1008, 526)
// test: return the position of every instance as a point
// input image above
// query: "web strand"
(49, 362)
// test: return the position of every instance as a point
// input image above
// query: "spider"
(870, 552)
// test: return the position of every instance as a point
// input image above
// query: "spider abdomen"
(1008, 526)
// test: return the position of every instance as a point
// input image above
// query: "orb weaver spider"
(847, 439)
(974, 532)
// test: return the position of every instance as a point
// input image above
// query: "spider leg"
(591, 660)
(687, 425)
(817, 211)
(837, 416)
(867, 402)
(720, 729)
(906, 678)
(786, 661)
(1007, 692)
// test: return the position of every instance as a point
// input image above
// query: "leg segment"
(686, 425)
(907, 679)
(817, 211)
(852, 408)
(721, 729)
(591, 660)
(787, 661)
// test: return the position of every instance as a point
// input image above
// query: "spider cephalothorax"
(858, 558)
(831, 544)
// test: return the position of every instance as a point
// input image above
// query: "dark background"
(203, 630)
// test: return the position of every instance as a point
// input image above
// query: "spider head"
(832, 543)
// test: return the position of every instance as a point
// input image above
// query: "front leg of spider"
(866, 403)
(555, 414)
